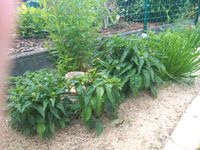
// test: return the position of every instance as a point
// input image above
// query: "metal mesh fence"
(151, 13)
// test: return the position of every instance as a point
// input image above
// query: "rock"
(70, 75)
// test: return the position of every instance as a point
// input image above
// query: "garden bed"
(147, 124)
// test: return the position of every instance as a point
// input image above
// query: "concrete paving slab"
(186, 135)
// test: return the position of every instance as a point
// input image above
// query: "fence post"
(197, 13)
(146, 5)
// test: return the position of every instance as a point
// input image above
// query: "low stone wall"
(31, 62)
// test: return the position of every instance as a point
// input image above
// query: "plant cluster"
(73, 27)
(32, 21)
(42, 102)
(130, 61)
(179, 52)
(97, 93)
(39, 104)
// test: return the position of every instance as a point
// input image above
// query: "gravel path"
(147, 125)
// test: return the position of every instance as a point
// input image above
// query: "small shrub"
(97, 93)
(38, 103)
(129, 60)
(178, 52)
(32, 21)
(73, 32)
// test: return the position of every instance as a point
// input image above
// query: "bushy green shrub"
(32, 21)
(179, 52)
(73, 27)
(38, 103)
(129, 60)
(97, 93)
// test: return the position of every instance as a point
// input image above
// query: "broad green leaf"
(146, 78)
(53, 100)
(98, 127)
(86, 114)
(141, 63)
(40, 110)
(62, 123)
(40, 127)
(100, 92)
(45, 103)
(109, 94)
(153, 91)
(135, 84)
(52, 127)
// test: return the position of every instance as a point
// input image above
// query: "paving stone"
(187, 133)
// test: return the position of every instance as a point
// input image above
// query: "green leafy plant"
(38, 103)
(97, 93)
(32, 21)
(129, 60)
(179, 52)
(73, 29)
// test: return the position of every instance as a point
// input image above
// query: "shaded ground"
(147, 125)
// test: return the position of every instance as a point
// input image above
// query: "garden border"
(40, 59)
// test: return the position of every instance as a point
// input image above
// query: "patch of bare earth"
(147, 125)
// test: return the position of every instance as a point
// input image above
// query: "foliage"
(179, 52)
(38, 103)
(32, 21)
(72, 26)
(158, 10)
(97, 93)
(130, 61)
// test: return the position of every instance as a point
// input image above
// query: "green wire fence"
(148, 13)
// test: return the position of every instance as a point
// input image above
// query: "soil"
(26, 45)
(147, 124)
(125, 27)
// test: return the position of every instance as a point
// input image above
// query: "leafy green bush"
(32, 21)
(38, 103)
(130, 61)
(97, 93)
(178, 52)
(73, 32)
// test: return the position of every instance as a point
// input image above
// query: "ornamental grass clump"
(179, 52)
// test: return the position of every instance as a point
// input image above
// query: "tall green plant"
(73, 29)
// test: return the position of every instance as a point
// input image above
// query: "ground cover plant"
(38, 103)
(32, 21)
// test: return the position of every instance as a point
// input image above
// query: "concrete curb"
(186, 135)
